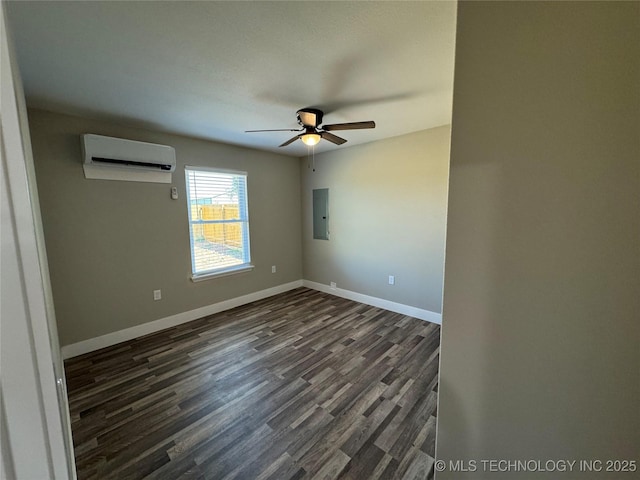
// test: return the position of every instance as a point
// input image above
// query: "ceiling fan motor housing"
(309, 117)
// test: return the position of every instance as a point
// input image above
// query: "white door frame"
(34, 414)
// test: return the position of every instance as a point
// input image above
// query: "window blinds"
(218, 220)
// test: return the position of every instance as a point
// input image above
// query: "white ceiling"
(215, 69)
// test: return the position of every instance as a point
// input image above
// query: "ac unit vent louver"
(109, 158)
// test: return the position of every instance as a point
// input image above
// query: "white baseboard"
(113, 338)
(415, 312)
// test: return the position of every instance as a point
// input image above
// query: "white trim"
(194, 168)
(245, 267)
(34, 414)
(415, 312)
(113, 338)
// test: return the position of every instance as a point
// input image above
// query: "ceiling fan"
(310, 120)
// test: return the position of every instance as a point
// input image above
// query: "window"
(218, 221)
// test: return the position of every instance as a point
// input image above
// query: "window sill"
(222, 273)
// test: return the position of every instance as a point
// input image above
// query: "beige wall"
(110, 243)
(387, 203)
(541, 322)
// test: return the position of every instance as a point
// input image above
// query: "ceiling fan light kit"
(310, 139)
(310, 120)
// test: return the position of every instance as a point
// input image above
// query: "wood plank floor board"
(368, 427)
(420, 467)
(300, 385)
(363, 463)
(412, 426)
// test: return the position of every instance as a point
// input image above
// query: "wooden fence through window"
(229, 234)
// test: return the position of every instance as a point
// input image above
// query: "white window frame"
(244, 218)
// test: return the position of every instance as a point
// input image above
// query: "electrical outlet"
(333, 285)
(273, 269)
(157, 294)
(392, 280)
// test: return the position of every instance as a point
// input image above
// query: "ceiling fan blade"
(276, 130)
(349, 126)
(291, 140)
(332, 138)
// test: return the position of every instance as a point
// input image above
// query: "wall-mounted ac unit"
(109, 158)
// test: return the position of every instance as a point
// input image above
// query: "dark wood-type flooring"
(299, 385)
